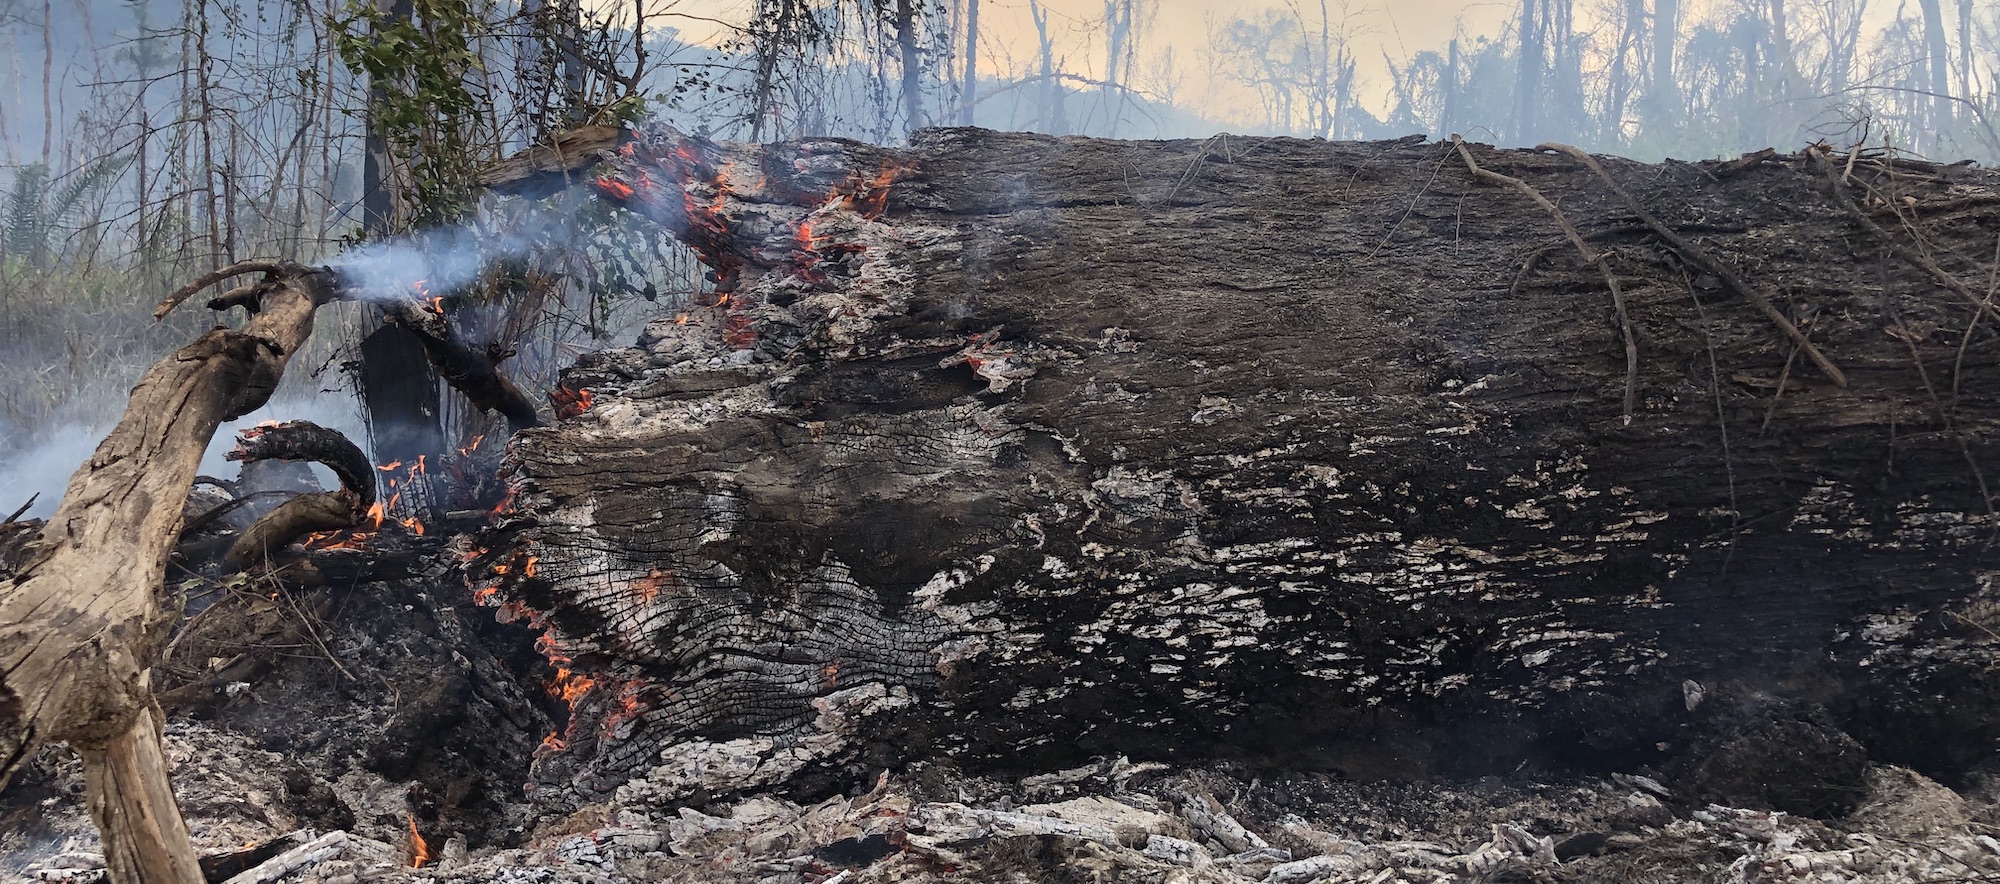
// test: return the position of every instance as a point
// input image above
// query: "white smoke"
(41, 469)
(443, 259)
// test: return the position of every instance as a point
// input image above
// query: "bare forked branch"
(1707, 262)
(211, 278)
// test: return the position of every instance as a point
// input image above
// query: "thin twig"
(1412, 207)
(1784, 377)
(1922, 262)
(1958, 363)
(1702, 259)
(1589, 256)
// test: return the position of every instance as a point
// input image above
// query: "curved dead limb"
(81, 621)
(305, 440)
(212, 277)
(293, 519)
(1703, 260)
(1922, 262)
(1589, 256)
(306, 513)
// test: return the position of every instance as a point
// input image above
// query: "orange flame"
(628, 708)
(569, 403)
(554, 742)
(614, 188)
(375, 514)
(681, 319)
(569, 687)
(420, 852)
(414, 525)
(437, 305)
(648, 587)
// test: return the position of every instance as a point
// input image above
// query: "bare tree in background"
(969, 88)
(1528, 72)
(1938, 60)
(1662, 97)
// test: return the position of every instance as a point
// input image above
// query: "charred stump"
(1331, 456)
(304, 514)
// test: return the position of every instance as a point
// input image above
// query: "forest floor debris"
(1112, 821)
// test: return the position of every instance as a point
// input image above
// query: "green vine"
(419, 64)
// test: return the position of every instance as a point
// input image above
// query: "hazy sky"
(1398, 27)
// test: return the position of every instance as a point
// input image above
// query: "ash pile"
(1111, 821)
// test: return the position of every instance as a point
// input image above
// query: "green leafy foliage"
(420, 67)
(37, 210)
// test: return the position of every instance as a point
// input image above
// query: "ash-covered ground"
(1115, 821)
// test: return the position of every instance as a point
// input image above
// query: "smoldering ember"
(1024, 508)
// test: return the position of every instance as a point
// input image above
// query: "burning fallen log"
(80, 616)
(1013, 449)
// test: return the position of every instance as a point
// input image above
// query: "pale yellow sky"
(1007, 34)
(1396, 28)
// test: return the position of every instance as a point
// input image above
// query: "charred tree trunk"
(398, 388)
(1018, 450)
(80, 616)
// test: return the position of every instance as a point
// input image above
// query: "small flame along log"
(306, 513)
(80, 618)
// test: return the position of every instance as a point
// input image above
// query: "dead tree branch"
(81, 621)
(306, 513)
(1917, 259)
(1706, 262)
(474, 373)
(1590, 256)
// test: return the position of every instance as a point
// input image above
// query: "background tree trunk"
(1938, 59)
(1664, 95)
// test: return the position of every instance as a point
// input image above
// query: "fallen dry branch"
(1916, 259)
(81, 620)
(1701, 258)
(474, 373)
(306, 513)
(1590, 256)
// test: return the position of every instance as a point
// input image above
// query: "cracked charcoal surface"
(1249, 451)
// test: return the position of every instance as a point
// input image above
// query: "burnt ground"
(1114, 821)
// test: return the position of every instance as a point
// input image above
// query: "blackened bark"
(473, 373)
(1020, 449)
(399, 392)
